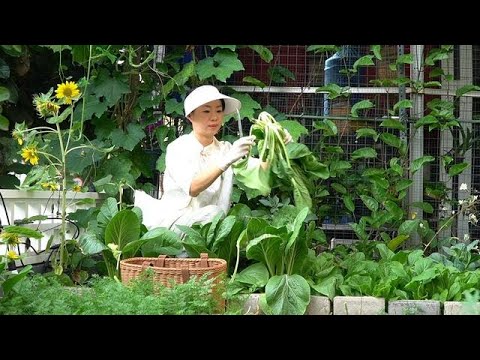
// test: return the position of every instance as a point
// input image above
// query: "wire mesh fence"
(297, 95)
(299, 82)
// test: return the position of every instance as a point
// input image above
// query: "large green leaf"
(405, 59)
(256, 275)
(112, 88)
(294, 128)
(60, 118)
(160, 165)
(158, 241)
(425, 206)
(366, 60)
(347, 200)
(301, 195)
(327, 286)
(254, 81)
(4, 93)
(280, 74)
(185, 74)
(359, 230)
(393, 124)
(249, 106)
(222, 232)
(361, 105)
(254, 175)
(108, 210)
(367, 132)
(263, 51)
(391, 140)
(120, 167)
(408, 226)
(267, 249)
(287, 294)
(4, 123)
(223, 64)
(130, 139)
(333, 90)
(122, 229)
(369, 202)
(364, 153)
(385, 253)
(426, 120)
(376, 49)
(339, 166)
(93, 106)
(402, 184)
(394, 210)
(147, 101)
(79, 159)
(80, 53)
(297, 226)
(23, 231)
(90, 244)
(103, 127)
(402, 104)
(397, 241)
(8, 284)
(418, 163)
(328, 126)
(172, 106)
(339, 188)
(13, 50)
(457, 169)
(466, 89)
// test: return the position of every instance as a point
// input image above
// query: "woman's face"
(207, 119)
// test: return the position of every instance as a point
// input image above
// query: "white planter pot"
(20, 204)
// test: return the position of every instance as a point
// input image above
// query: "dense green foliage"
(47, 296)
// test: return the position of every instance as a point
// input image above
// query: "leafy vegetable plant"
(288, 167)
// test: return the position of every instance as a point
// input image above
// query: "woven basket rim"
(138, 261)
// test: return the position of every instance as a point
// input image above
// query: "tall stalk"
(63, 203)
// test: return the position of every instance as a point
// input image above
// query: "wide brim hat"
(207, 93)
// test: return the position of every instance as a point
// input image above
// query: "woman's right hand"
(239, 149)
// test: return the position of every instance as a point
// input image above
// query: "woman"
(198, 179)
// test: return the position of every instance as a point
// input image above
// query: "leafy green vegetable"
(290, 167)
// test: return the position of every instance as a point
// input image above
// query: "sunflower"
(50, 185)
(12, 255)
(44, 106)
(18, 136)
(29, 153)
(52, 108)
(67, 91)
(47, 108)
(10, 238)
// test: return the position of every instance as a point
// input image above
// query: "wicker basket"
(179, 270)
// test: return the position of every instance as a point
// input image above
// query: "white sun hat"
(207, 93)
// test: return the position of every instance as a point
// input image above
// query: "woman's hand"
(239, 149)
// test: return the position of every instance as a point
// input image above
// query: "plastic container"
(342, 60)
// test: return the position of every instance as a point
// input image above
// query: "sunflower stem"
(63, 202)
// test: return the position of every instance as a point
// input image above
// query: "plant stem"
(237, 261)
(448, 222)
(63, 202)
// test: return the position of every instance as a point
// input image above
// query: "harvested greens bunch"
(290, 167)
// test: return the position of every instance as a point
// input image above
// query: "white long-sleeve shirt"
(186, 157)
